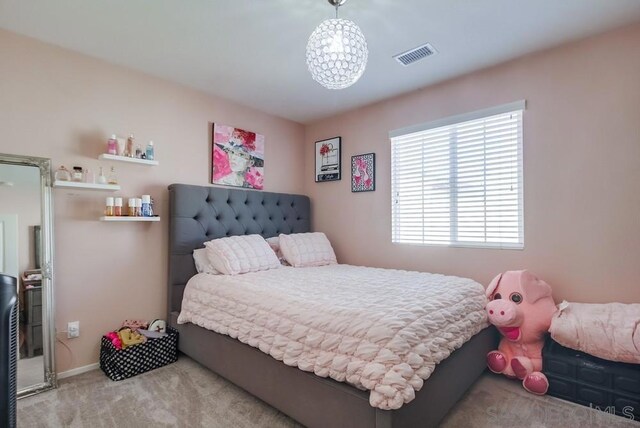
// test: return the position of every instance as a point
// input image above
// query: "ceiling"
(253, 51)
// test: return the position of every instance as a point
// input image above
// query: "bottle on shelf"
(130, 150)
(77, 174)
(149, 154)
(138, 207)
(113, 178)
(89, 176)
(138, 152)
(117, 207)
(109, 211)
(132, 207)
(122, 146)
(101, 178)
(62, 174)
(112, 145)
(146, 206)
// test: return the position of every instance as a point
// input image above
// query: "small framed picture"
(363, 172)
(328, 160)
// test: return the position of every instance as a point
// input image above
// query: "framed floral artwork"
(328, 160)
(237, 157)
(363, 173)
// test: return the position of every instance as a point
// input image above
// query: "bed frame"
(199, 214)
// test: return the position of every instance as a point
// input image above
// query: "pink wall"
(62, 105)
(581, 166)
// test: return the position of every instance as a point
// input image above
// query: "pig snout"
(502, 313)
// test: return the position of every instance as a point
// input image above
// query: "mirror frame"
(46, 265)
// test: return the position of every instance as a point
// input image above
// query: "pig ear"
(493, 285)
(533, 289)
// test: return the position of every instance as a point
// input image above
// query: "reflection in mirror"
(23, 190)
(20, 236)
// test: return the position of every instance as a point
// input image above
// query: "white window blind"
(460, 184)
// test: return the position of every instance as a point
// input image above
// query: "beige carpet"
(186, 394)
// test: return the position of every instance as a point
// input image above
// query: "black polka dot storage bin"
(119, 364)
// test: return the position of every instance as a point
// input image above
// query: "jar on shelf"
(109, 210)
(117, 207)
(132, 207)
(77, 174)
(62, 174)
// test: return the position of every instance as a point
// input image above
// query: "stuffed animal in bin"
(521, 307)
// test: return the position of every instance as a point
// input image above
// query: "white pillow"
(274, 243)
(203, 264)
(307, 249)
(241, 254)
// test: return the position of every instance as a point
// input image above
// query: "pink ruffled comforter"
(378, 329)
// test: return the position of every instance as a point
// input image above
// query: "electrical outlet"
(73, 329)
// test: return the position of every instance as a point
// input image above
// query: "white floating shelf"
(86, 186)
(124, 218)
(106, 156)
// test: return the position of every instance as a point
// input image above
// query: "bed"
(199, 214)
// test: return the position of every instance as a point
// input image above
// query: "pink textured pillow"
(241, 254)
(274, 243)
(307, 249)
(203, 264)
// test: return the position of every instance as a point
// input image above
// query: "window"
(458, 181)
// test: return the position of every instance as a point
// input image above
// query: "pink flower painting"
(237, 157)
(363, 173)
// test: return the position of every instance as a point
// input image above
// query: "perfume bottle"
(62, 174)
(89, 176)
(113, 178)
(138, 152)
(77, 174)
(101, 178)
(131, 142)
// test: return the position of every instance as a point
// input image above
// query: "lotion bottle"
(112, 145)
(150, 152)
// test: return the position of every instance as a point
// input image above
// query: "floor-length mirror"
(26, 254)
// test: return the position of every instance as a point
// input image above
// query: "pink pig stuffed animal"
(521, 307)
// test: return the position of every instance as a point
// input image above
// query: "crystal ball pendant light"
(337, 52)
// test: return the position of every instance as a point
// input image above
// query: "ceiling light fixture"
(337, 52)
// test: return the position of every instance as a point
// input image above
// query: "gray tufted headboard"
(200, 213)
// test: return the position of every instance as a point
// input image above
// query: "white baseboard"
(78, 370)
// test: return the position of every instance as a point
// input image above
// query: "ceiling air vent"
(416, 54)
